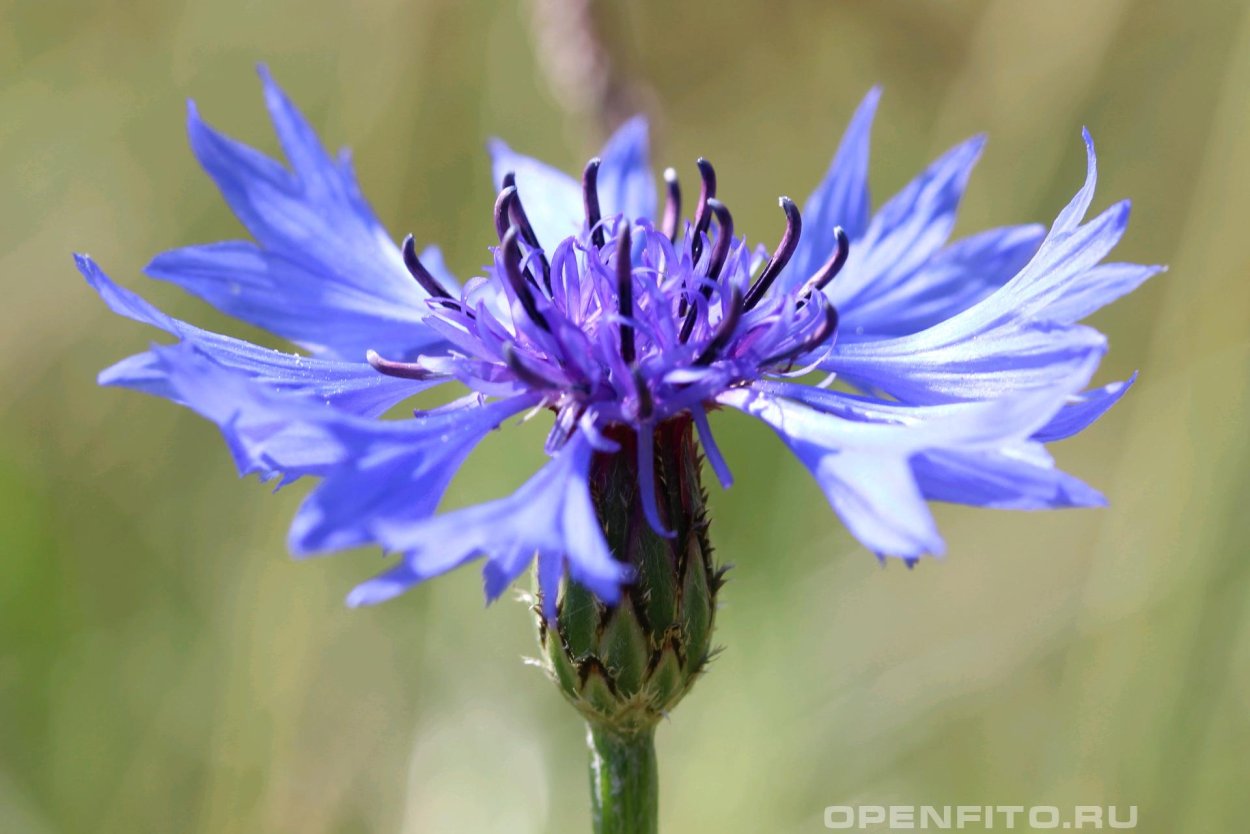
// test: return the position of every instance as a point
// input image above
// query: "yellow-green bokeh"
(165, 667)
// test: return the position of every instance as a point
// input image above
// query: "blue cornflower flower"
(619, 317)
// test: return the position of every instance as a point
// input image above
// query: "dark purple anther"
(517, 215)
(818, 337)
(520, 286)
(781, 256)
(590, 198)
(418, 271)
(502, 210)
(672, 205)
(625, 292)
(724, 238)
(702, 219)
(645, 403)
(830, 269)
(523, 371)
(724, 330)
(720, 252)
(403, 370)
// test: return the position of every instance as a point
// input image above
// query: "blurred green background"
(165, 667)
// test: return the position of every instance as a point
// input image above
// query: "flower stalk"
(624, 781)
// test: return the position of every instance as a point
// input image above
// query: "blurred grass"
(164, 667)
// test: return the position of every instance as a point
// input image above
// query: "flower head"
(620, 319)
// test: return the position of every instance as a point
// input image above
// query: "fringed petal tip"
(381, 588)
(884, 559)
(322, 272)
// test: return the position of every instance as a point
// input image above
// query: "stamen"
(782, 254)
(423, 276)
(646, 481)
(625, 292)
(644, 395)
(830, 269)
(724, 330)
(720, 251)
(502, 204)
(817, 337)
(590, 199)
(527, 374)
(714, 457)
(516, 211)
(403, 370)
(702, 219)
(512, 271)
(724, 237)
(672, 205)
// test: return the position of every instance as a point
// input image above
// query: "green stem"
(624, 786)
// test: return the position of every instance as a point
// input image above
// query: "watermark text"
(956, 817)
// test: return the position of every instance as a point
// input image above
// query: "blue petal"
(552, 199)
(1063, 281)
(551, 516)
(877, 499)
(375, 471)
(394, 473)
(841, 199)
(908, 230)
(1077, 413)
(551, 567)
(268, 434)
(975, 366)
(324, 266)
(626, 183)
(308, 307)
(868, 484)
(1082, 410)
(875, 461)
(1074, 212)
(1020, 336)
(1011, 340)
(388, 585)
(1063, 266)
(1097, 288)
(1017, 477)
(499, 572)
(348, 386)
(859, 421)
(952, 281)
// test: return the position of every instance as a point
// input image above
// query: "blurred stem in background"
(578, 66)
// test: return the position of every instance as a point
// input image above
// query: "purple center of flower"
(625, 323)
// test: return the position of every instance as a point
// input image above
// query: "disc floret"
(625, 324)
